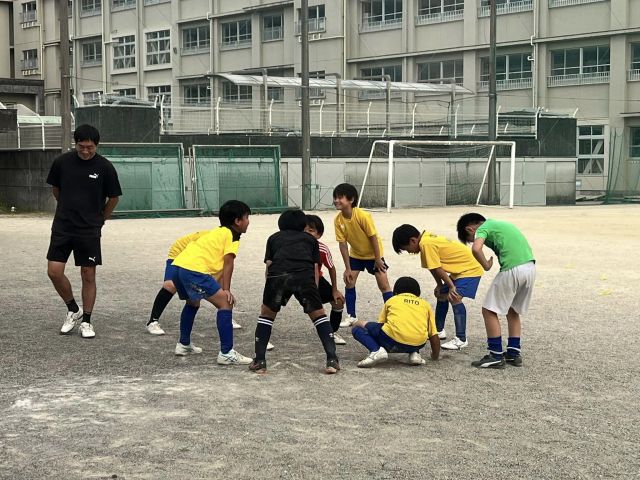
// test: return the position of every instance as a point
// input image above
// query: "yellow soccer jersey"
(356, 232)
(206, 255)
(455, 258)
(179, 245)
(408, 319)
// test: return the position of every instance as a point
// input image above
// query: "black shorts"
(326, 290)
(86, 250)
(279, 289)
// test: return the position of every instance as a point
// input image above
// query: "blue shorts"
(467, 287)
(389, 344)
(368, 265)
(169, 270)
(194, 285)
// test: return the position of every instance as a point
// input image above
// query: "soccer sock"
(163, 298)
(460, 319)
(323, 327)
(362, 335)
(72, 305)
(225, 330)
(513, 347)
(350, 300)
(386, 296)
(86, 317)
(187, 317)
(495, 346)
(335, 317)
(263, 334)
(442, 308)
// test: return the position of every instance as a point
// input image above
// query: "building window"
(198, 94)
(91, 98)
(122, 4)
(272, 27)
(92, 53)
(276, 94)
(591, 150)
(434, 11)
(379, 14)
(90, 7)
(317, 20)
(634, 147)
(126, 92)
(580, 61)
(512, 71)
(236, 93)
(196, 39)
(236, 34)
(124, 52)
(635, 57)
(29, 12)
(30, 59)
(441, 72)
(158, 47)
(506, 6)
(161, 93)
(377, 73)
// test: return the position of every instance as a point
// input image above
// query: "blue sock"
(187, 317)
(225, 330)
(361, 335)
(513, 346)
(350, 300)
(441, 314)
(460, 319)
(495, 346)
(386, 296)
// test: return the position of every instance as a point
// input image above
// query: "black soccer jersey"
(291, 251)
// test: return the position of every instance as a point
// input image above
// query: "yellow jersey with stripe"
(206, 254)
(180, 244)
(408, 319)
(455, 258)
(356, 232)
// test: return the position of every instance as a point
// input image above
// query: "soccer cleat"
(332, 366)
(416, 359)
(270, 346)
(154, 328)
(235, 325)
(455, 344)
(258, 366)
(233, 358)
(348, 321)
(516, 361)
(86, 330)
(182, 350)
(70, 321)
(489, 361)
(442, 334)
(370, 360)
(338, 340)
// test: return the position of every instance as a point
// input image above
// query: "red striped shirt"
(325, 257)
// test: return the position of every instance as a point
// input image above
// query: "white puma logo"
(93, 175)
(93, 259)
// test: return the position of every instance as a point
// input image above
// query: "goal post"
(414, 145)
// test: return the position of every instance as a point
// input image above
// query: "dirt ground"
(123, 406)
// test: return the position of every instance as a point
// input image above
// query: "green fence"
(238, 172)
(151, 176)
(623, 183)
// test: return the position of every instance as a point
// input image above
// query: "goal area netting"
(421, 173)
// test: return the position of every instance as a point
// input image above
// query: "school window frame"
(442, 71)
(276, 94)
(161, 93)
(377, 73)
(29, 12)
(91, 53)
(126, 92)
(382, 12)
(30, 59)
(158, 47)
(196, 94)
(122, 5)
(90, 7)
(591, 150)
(435, 7)
(272, 27)
(196, 38)
(580, 60)
(232, 93)
(236, 34)
(124, 52)
(510, 66)
(635, 56)
(634, 142)
(91, 97)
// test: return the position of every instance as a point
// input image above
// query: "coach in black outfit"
(86, 187)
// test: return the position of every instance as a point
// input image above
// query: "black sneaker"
(258, 366)
(516, 361)
(332, 366)
(489, 361)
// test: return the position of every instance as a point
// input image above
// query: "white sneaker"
(348, 321)
(182, 350)
(154, 328)
(442, 334)
(70, 321)
(338, 340)
(455, 344)
(370, 360)
(86, 330)
(233, 358)
(235, 325)
(270, 346)
(416, 359)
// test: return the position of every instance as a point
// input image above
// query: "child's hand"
(348, 277)
(453, 295)
(436, 291)
(380, 266)
(229, 296)
(489, 264)
(338, 298)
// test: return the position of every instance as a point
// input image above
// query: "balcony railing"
(578, 79)
(29, 64)
(633, 75)
(231, 44)
(440, 17)
(566, 3)
(380, 22)
(126, 5)
(504, 8)
(193, 50)
(90, 12)
(29, 16)
(509, 84)
(315, 25)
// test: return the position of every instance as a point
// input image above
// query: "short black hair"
(346, 190)
(86, 132)
(402, 235)
(315, 222)
(292, 220)
(232, 210)
(464, 221)
(406, 285)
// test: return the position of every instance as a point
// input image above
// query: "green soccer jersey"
(508, 243)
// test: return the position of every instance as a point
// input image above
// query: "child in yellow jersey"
(456, 272)
(404, 326)
(203, 270)
(360, 247)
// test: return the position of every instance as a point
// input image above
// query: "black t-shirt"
(291, 251)
(84, 187)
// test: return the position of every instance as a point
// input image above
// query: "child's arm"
(227, 272)
(376, 251)
(441, 277)
(266, 269)
(476, 249)
(434, 341)
(344, 251)
(335, 293)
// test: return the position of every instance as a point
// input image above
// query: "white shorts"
(511, 289)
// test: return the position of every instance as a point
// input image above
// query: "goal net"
(421, 173)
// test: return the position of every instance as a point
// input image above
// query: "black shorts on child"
(278, 289)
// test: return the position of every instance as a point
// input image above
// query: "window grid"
(158, 47)
(276, 94)
(90, 7)
(591, 159)
(377, 74)
(505, 6)
(29, 12)
(30, 59)
(91, 98)
(635, 56)
(634, 144)
(196, 39)
(122, 4)
(236, 34)
(236, 93)
(316, 19)
(272, 27)
(126, 92)
(441, 72)
(580, 61)
(197, 94)
(92, 53)
(124, 52)
(380, 14)
(161, 93)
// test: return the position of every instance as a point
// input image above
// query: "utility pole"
(306, 127)
(492, 103)
(65, 75)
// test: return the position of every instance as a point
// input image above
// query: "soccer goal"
(414, 173)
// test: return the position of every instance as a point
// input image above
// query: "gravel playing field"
(123, 406)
